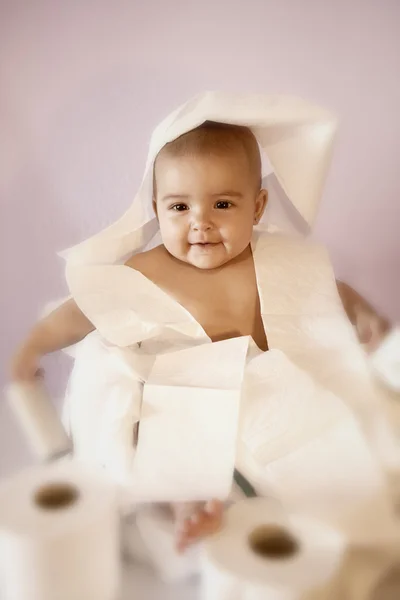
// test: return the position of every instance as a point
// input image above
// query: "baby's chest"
(225, 303)
(223, 311)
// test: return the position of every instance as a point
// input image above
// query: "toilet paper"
(59, 535)
(262, 553)
(39, 419)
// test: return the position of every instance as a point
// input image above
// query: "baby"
(207, 197)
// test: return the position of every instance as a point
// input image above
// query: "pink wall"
(83, 83)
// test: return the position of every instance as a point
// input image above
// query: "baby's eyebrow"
(229, 193)
(175, 197)
(184, 197)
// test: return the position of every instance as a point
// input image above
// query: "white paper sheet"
(188, 426)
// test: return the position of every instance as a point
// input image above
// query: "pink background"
(84, 83)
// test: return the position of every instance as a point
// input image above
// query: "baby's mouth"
(204, 243)
(205, 247)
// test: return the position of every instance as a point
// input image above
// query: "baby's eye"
(180, 207)
(223, 204)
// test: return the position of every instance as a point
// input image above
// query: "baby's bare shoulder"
(146, 261)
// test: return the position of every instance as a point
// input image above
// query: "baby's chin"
(207, 264)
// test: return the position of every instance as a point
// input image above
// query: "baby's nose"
(202, 226)
(202, 221)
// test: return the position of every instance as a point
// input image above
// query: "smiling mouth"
(205, 247)
(205, 244)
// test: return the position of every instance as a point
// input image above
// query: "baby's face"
(207, 207)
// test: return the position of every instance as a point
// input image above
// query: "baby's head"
(207, 193)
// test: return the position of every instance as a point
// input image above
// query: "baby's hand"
(370, 326)
(204, 520)
(25, 365)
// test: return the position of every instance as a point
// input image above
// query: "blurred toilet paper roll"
(59, 535)
(39, 419)
(263, 554)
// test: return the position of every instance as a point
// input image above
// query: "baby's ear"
(261, 204)
(155, 207)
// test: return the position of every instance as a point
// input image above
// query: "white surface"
(140, 583)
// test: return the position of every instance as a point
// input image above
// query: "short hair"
(216, 138)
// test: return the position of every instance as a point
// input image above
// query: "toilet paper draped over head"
(296, 137)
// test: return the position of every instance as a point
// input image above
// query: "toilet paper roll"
(59, 535)
(262, 553)
(39, 420)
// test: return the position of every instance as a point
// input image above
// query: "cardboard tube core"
(272, 541)
(56, 495)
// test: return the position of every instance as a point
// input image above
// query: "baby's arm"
(65, 326)
(370, 326)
